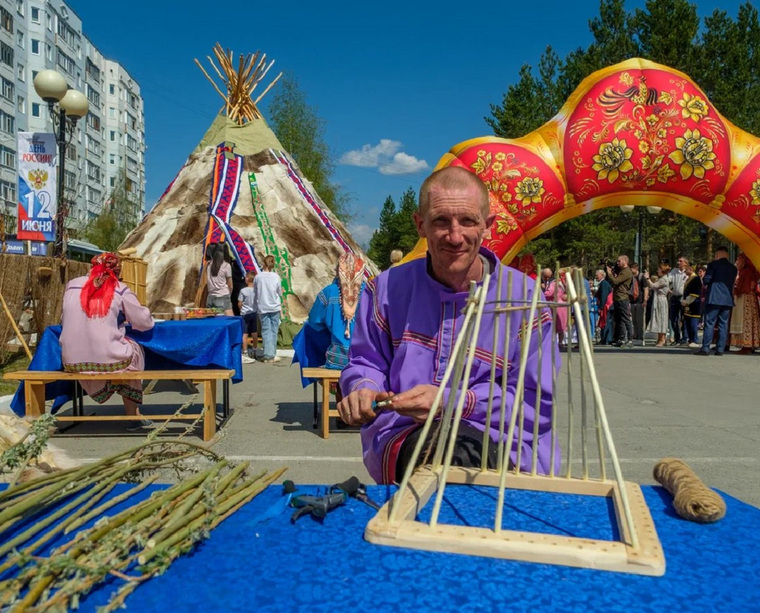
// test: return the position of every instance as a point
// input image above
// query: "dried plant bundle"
(133, 545)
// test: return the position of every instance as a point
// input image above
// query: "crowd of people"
(673, 304)
(257, 298)
(720, 299)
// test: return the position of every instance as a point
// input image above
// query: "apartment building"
(106, 151)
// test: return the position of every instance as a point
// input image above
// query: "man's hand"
(356, 408)
(415, 402)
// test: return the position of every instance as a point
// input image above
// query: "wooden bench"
(35, 380)
(325, 376)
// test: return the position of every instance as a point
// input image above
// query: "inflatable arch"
(636, 133)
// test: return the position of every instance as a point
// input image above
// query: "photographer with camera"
(620, 277)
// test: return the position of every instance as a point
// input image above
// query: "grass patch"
(16, 361)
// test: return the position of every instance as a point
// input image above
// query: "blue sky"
(397, 83)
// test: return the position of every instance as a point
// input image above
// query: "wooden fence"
(33, 290)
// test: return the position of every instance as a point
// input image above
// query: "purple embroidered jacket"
(404, 336)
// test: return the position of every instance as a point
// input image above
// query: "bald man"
(546, 278)
(405, 330)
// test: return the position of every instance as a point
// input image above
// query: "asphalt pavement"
(660, 402)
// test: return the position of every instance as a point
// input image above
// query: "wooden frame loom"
(638, 551)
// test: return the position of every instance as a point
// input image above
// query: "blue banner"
(37, 200)
(15, 247)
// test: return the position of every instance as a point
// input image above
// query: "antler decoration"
(239, 104)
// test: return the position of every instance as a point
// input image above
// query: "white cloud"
(403, 164)
(361, 233)
(386, 157)
(369, 156)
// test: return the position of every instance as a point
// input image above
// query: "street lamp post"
(638, 256)
(51, 86)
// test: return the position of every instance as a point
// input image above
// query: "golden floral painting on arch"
(522, 188)
(646, 130)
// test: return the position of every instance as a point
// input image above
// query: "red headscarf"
(97, 292)
(528, 265)
(747, 279)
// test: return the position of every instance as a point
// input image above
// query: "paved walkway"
(660, 402)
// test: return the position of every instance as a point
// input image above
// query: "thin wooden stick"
(503, 404)
(492, 379)
(444, 423)
(260, 76)
(398, 497)
(475, 331)
(226, 77)
(582, 299)
(571, 409)
(15, 327)
(539, 391)
(606, 428)
(219, 91)
(264, 93)
(513, 418)
(552, 452)
(520, 399)
(250, 71)
(597, 422)
(584, 406)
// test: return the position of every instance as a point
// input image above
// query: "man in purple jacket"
(406, 326)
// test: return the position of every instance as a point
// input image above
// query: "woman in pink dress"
(93, 340)
(556, 292)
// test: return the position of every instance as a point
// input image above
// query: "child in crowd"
(247, 305)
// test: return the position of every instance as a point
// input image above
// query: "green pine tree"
(385, 238)
(301, 132)
(404, 222)
(120, 214)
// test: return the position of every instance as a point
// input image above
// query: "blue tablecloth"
(212, 342)
(258, 561)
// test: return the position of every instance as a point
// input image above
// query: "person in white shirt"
(677, 278)
(247, 305)
(267, 289)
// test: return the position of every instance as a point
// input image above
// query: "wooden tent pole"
(221, 76)
(240, 78)
(219, 91)
(15, 327)
(255, 102)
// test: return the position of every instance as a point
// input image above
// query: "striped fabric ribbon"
(225, 189)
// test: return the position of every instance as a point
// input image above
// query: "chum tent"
(239, 186)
